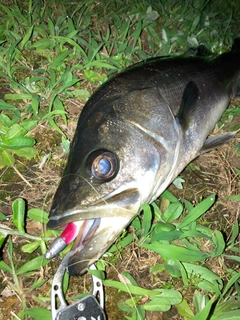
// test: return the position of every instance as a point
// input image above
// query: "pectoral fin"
(217, 141)
(188, 104)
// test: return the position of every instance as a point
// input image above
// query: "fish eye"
(102, 164)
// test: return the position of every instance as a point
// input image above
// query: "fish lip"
(110, 206)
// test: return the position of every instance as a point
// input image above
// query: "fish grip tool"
(86, 308)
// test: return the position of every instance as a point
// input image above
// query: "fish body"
(134, 136)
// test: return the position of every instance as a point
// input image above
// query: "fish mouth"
(93, 228)
(113, 205)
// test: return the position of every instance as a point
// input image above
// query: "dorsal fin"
(188, 104)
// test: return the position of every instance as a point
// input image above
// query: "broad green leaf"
(147, 218)
(58, 105)
(30, 247)
(26, 152)
(60, 59)
(172, 269)
(97, 273)
(169, 196)
(18, 143)
(164, 300)
(130, 278)
(230, 315)
(166, 235)
(65, 282)
(235, 233)
(184, 310)
(199, 300)
(51, 27)
(32, 265)
(2, 216)
(38, 215)
(158, 304)
(29, 124)
(54, 125)
(35, 102)
(235, 258)
(44, 44)
(219, 243)
(231, 282)
(17, 96)
(38, 283)
(6, 159)
(197, 211)
(129, 288)
(5, 267)
(15, 131)
(173, 211)
(122, 243)
(176, 253)
(26, 37)
(39, 313)
(194, 271)
(18, 209)
(205, 312)
(234, 198)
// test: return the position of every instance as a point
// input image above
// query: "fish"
(134, 136)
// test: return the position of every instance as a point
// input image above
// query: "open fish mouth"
(80, 231)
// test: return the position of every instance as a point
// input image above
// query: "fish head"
(116, 163)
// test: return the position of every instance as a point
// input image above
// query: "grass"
(53, 55)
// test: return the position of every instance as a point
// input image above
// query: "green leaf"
(39, 313)
(44, 44)
(235, 258)
(38, 215)
(5, 267)
(32, 265)
(147, 218)
(30, 247)
(230, 315)
(6, 159)
(184, 310)
(159, 235)
(18, 96)
(18, 209)
(176, 253)
(129, 288)
(234, 198)
(97, 273)
(26, 152)
(234, 235)
(169, 196)
(26, 37)
(29, 124)
(173, 212)
(158, 304)
(164, 300)
(18, 143)
(122, 243)
(231, 282)
(204, 314)
(197, 211)
(2, 216)
(219, 242)
(201, 272)
(60, 59)
(15, 131)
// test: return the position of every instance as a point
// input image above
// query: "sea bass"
(134, 136)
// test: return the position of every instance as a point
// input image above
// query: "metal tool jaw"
(89, 307)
